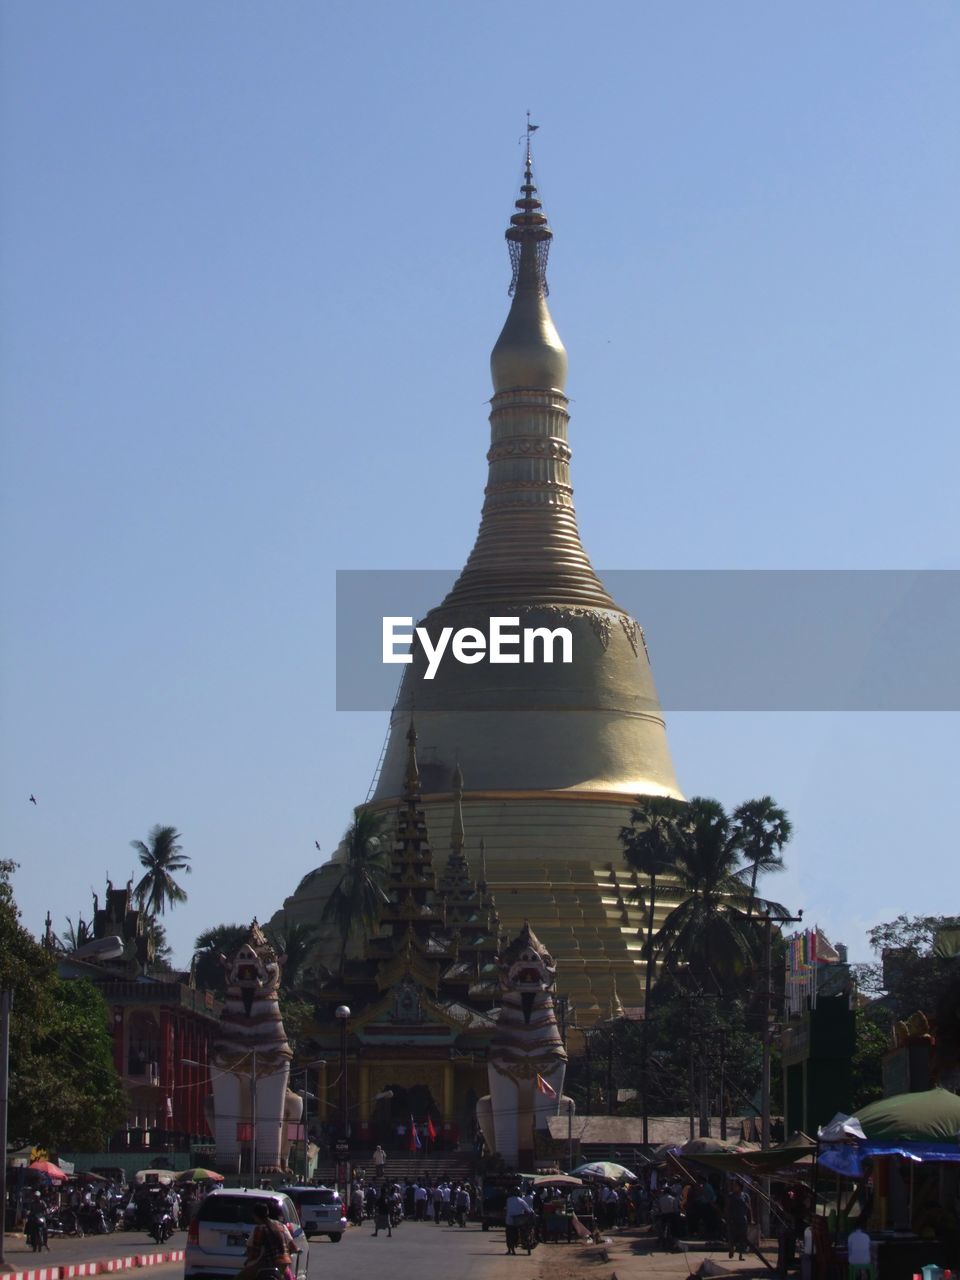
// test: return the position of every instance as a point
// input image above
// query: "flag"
(545, 1087)
(431, 1130)
(414, 1144)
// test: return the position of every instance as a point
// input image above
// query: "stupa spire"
(528, 549)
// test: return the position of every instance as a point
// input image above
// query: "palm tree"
(162, 857)
(651, 845)
(219, 940)
(355, 902)
(761, 829)
(296, 941)
(710, 933)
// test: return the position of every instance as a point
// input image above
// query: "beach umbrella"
(604, 1171)
(199, 1175)
(51, 1170)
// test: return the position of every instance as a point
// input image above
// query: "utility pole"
(610, 1106)
(768, 922)
(253, 1117)
(6, 1004)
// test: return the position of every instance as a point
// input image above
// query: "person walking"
(738, 1216)
(379, 1161)
(381, 1216)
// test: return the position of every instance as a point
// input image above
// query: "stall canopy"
(920, 1126)
(797, 1149)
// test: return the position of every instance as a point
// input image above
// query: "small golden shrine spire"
(412, 776)
(482, 882)
(456, 823)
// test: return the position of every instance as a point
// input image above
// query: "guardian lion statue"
(250, 1062)
(527, 1061)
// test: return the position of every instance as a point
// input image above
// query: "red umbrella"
(51, 1170)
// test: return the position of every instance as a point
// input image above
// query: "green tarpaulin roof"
(930, 1116)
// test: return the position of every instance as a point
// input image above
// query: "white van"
(217, 1236)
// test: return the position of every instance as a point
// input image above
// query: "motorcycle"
(36, 1231)
(528, 1234)
(94, 1222)
(161, 1227)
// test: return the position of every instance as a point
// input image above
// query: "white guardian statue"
(250, 1063)
(527, 1061)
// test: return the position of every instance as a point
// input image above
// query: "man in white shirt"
(858, 1254)
(517, 1210)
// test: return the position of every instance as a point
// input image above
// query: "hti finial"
(529, 227)
(531, 130)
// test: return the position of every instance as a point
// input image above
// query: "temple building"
(554, 755)
(161, 1027)
(421, 993)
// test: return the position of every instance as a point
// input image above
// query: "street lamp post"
(769, 921)
(342, 1014)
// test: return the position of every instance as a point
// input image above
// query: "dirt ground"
(632, 1255)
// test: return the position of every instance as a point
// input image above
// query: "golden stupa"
(553, 756)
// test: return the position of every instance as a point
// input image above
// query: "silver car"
(217, 1236)
(321, 1211)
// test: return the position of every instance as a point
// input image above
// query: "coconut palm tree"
(355, 902)
(761, 829)
(651, 845)
(162, 857)
(219, 940)
(709, 935)
(296, 941)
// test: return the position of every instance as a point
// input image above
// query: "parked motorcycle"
(93, 1221)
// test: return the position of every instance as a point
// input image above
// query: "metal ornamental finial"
(529, 227)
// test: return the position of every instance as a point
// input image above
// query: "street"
(415, 1249)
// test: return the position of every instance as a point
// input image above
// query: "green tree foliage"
(872, 1043)
(64, 1091)
(760, 829)
(711, 937)
(219, 940)
(295, 940)
(162, 858)
(917, 971)
(355, 902)
(726, 1052)
(911, 971)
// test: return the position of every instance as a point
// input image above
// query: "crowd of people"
(388, 1203)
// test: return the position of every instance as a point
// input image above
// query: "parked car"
(321, 1210)
(217, 1236)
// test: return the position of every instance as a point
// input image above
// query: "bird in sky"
(317, 843)
(33, 798)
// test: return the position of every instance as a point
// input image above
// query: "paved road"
(415, 1250)
(66, 1249)
(419, 1249)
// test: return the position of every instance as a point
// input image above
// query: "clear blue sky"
(252, 268)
